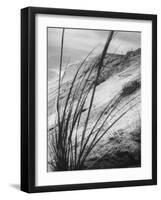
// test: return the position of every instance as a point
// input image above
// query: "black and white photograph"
(93, 99)
(89, 99)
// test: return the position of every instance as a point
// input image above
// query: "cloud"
(78, 43)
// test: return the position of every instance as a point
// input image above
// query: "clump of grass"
(131, 87)
(69, 149)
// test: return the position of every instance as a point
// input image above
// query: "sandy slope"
(120, 147)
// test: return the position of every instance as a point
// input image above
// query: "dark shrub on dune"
(130, 88)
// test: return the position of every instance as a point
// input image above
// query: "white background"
(10, 99)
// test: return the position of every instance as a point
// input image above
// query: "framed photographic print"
(88, 99)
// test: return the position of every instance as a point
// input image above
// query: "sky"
(79, 42)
